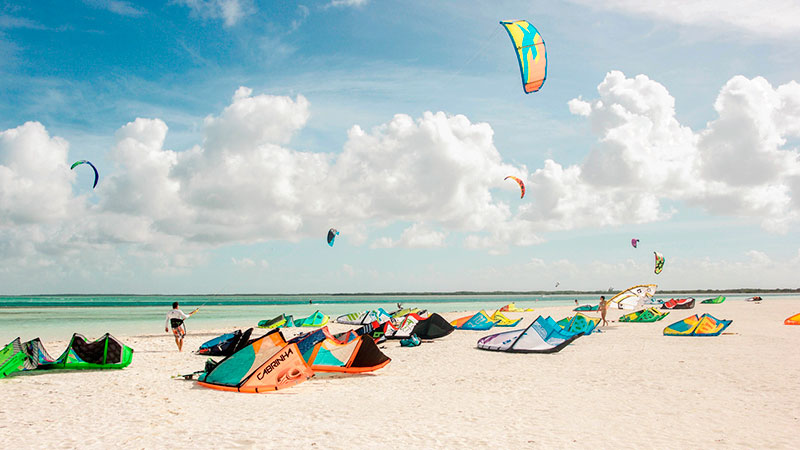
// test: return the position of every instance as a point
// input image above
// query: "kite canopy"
(753, 299)
(225, 345)
(264, 365)
(579, 323)
(406, 327)
(541, 336)
(659, 262)
(512, 307)
(531, 53)
(12, 358)
(587, 308)
(634, 297)
(434, 327)
(479, 322)
(634, 242)
(356, 356)
(719, 299)
(645, 315)
(705, 325)
(678, 303)
(503, 321)
(520, 183)
(406, 311)
(332, 233)
(794, 320)
(364, 317)
(96, 175)
(104, 353)
(281, 321)
(315, 320)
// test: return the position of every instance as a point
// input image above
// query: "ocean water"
(54, 317)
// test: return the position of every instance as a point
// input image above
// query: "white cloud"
(35, 180)
(738, 165)
(439, 173)
(772, 18)
(230, 11)
(117, 7)
(415, 236)
(347, 3)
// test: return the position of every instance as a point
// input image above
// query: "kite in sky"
(521, 185)
(332, 233)
(634, 242)
(531, 53)
(96, 175)
(659, 262)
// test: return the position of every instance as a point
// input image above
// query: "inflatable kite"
(531, 53)
(659, 262)
(332, 233)
(521, 185)
(96, 175)
(634, 242)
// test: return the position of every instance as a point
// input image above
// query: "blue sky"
(231, 134)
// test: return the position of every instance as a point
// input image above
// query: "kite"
(521, 184)
(659, 262)
(558, 283)
(633, 297)
(332, 233)
(96, 175)
(634, 242)
(531, 53)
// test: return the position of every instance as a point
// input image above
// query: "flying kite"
(521, 184)
(332, 233)
(634, 242)
(531, 53)
(557, 283)
(659, 262)
(96, 175)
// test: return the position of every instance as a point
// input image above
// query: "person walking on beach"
(175, 318)
(603, 307)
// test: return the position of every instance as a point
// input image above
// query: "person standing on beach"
(603, 307)
(175, 318)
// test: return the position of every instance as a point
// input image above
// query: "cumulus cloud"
(438, 174)
(773, 18)
(230, 11)
(738, 165)
(415, 236)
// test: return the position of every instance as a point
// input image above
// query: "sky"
(231, 135)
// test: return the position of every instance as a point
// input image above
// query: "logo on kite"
(659, 262)
(531, 53)
(521, 185)
(634, 242)
(332, 233)
(96, 175)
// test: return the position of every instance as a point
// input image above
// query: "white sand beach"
(627, 387)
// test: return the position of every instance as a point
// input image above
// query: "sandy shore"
(628, 386)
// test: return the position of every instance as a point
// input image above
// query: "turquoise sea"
(54, 317)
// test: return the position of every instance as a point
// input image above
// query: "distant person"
(576, 302)
(603, 307)
(310, 301)
(175, 318)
